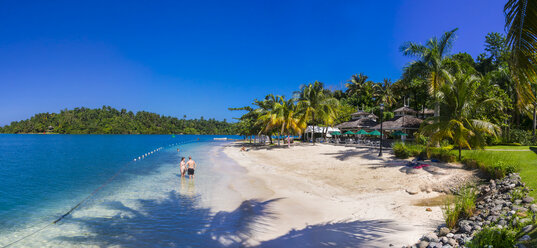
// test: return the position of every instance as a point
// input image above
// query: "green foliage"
(441, 153)
(400, 150)
(517, 194)
(467, 197)
(494, 237)
(494, 165)
(108, 120)
(461, 206)
(520, 136)
(451, 211)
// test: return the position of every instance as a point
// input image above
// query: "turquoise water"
(147, 205)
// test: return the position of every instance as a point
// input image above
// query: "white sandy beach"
(339, 196)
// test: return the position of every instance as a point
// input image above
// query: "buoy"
(134, 160)
(139, 158)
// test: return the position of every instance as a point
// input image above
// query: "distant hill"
(108, 120)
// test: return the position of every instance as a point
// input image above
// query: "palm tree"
(316, 105)
(360, 89)
(521, 23)
(383, 93)
(432, 59)
(283, 117)
(456, 124)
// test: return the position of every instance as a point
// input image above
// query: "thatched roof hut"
(401, 123)
(362, 123)
(404, 111)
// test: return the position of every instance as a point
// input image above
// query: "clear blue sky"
(200, 57)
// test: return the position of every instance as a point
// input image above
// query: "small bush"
(442, 154)
(493, 237)
(400, 150)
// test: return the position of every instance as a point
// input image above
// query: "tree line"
(475, 101)
(108, 120)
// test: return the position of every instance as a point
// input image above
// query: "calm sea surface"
(147, 205)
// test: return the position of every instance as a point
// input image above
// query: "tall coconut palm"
(521, 23)
(383, 93)
(456, 122)
(432, 60)
(316, 105)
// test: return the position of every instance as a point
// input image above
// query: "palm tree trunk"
(280, 134)
(288, 141)
(313, 129)
(534, 120)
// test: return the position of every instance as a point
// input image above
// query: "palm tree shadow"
(337, 234)
(173, 222)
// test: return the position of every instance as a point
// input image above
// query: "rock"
(443, 231)
(412, 191)
(533, 207)
(525, 238)
(423, 244)
(527, 228)
(431, 237)
(450, 235)
(520, 246)
(527, 199)
(428, 210)
(429, 190)
(447, 246)
(466, 228)
(522, 221)
(435, 245)
(518, 202)
(452, 242)
(443, 240)
(502, 222)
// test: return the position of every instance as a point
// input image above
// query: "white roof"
(318, 129)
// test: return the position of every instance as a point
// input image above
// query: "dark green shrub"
(510, 144)
(400, 150)
(443, 154)
(494, 237)
(523, 137)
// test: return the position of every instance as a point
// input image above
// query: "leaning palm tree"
(456, 123)
(316, 105)
(432, 60)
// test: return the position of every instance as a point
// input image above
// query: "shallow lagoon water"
(147, 205)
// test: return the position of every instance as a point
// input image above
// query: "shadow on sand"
(173, 222)
(337, 234)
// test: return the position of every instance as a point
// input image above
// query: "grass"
(509, 147)
(527, 162)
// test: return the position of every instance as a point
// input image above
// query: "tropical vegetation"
(107, 120)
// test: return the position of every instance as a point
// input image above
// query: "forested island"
(108, 120)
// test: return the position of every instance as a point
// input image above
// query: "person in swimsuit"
(182, 165)
(191, 167)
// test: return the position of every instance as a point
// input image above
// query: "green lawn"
(526, 159)
(509, 147)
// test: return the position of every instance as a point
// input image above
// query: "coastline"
(339, 195)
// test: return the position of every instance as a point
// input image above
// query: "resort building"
(359, 120)
(405, 110)
(426, 113)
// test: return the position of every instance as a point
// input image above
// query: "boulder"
(527, 199)
(527, 228)
(525, 238)
(430, 237)
(412, 190)
(443, 231)
(423, 244)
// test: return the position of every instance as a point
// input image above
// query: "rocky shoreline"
(500, 203)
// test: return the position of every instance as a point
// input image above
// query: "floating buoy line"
(136, 159)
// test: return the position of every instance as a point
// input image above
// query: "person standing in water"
(182, 165)
(191, 167)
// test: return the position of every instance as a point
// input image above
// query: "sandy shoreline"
(339, 196)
